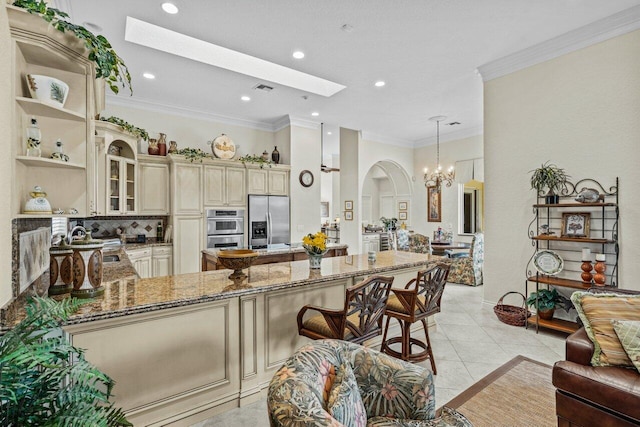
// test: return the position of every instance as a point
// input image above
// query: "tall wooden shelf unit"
(602, 238)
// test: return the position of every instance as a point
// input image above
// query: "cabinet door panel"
(187, 244)
(278, 182)
(235, 186)
(162, 265)
(214, 185)
(187, 184)
(153, 189)
(258, 181)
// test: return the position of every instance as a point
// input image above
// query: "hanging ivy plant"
(255, 159)
(193, 154)
(133, 130)
(109, 65)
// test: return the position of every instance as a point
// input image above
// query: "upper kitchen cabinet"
(186, 187)
(53, 83)
(153, 185)
(273, 181)
(116, 191)
(224, 185)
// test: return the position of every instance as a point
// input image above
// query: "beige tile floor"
(468, 343)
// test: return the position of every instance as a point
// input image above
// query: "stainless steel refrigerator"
(268, 221)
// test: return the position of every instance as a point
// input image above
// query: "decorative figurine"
(58, 153)
(34, 136)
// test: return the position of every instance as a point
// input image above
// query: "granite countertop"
(281, 249)
(133, 295)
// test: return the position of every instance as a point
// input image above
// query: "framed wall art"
(575, 224)
(348, 215)
(348, 205)
(402, 216)
(402, 206)
(434, 209)
(324, 209)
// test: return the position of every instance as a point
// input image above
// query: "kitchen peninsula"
(182, 348)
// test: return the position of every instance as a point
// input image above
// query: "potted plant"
(46, 381)
(109, 65)
(389, 223)
(545, 302)
(551, 177)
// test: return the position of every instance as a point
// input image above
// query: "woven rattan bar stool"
(416, 302)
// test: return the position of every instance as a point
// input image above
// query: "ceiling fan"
(323, 167)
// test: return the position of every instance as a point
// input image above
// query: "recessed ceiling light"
(155, 37)
(315, 113)
(148, 76)
(328, 133)
(380, 83)
(245, 98)
(170, 8)
(91, 26)
(298, 54)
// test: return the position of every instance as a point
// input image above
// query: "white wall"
(581, 111)
(305, 201)
(450, 152)
(350, 188)
(6, 163)
(194, 133)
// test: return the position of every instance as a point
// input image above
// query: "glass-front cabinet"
(121, 185)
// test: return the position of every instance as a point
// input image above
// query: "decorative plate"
(223, 147)
(548, 262)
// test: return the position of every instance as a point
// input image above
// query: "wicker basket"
(510, 314)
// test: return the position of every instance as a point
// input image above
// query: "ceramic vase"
(275, 155)
(162, 145)
(153, 147)
(34, 136)
(599, 278)
(87, 267)
(173, 147)
(586, 268)
(315, 260)
(60, 270)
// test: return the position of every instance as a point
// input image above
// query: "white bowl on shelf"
(48, 89)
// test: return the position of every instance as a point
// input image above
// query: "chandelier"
(437, 177)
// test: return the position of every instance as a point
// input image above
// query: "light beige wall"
(450, 152)
(350, 188)
(6, 124)
(305, 201)
(194, 133)
(580, 111)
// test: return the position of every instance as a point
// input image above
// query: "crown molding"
(281, 123)
(373, 137)
(187, 112)
(451, 136)
(604, 29)
(303, 123)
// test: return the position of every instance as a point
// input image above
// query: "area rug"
(519, 393)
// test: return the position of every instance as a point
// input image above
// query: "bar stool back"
(358, 321)
(418, 300)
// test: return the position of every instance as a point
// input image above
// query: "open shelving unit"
(602, 238)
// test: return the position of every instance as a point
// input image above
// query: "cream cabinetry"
(272, 181)
(141, 260)
(370, 243)
(224, 186)
(35, 48)
(121, 185)
(186, 188)
(161, 261)
(187, 243)
(153, 185)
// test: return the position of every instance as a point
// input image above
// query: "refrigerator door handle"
(269, 229)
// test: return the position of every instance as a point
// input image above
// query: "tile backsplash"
(108, 226)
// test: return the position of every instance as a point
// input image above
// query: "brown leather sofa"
(594, 396)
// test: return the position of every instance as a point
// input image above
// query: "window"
(471, 207)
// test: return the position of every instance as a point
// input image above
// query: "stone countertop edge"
(415, 260)
(212, 252)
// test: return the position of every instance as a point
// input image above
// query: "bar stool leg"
(433, 362)
(383, 345)
(406, 340)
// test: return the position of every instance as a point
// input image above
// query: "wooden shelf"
(557, 281)
(573, 205)
(48, 163)
(555, 324)
(572, 239)
(34, 107)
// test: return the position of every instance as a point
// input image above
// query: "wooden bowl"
(236, 260)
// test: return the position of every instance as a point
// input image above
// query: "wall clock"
(306, 178)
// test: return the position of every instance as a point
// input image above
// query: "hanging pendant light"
(437, 177)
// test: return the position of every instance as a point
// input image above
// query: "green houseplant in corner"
(551, 177)
(45, 381)
(546, 301)
(109, 65)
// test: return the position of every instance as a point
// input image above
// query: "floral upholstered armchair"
(413, 242)
(468, 271)
(338, 383)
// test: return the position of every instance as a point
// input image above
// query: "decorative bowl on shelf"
(48, 89)
(237, 260)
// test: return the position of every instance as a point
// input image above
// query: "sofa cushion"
(345, 403)
(628, 332)
(597, 312)
(448, 418)
(616, 388)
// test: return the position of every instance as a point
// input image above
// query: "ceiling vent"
(264, 87)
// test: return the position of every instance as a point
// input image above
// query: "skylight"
(169, 41)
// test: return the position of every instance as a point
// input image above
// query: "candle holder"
(586, 268)
(599, 278)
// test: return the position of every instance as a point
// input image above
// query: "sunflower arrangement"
(315, 243)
